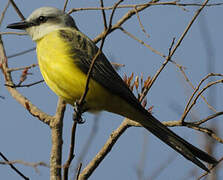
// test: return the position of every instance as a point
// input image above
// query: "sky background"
(23, 137)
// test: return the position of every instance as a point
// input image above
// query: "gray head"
(43, 21)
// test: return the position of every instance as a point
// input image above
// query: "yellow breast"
(63, 76)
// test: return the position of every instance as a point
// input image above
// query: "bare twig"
(146, 90)
(88, 142)
(142, 42)
(22, 68)
(141, 25)
(3, 12)
(198, 95)
(30, 164)
(13, 167)
(205, 130)
(117, 65)
(71, 153)
(65, 5)
(13, 33)
(22, 52)
(208, 118)
(78, 171)
(103, 15)
(17, 10)
(187, 28)
(198, 87)
(171, 3)
(24, 85)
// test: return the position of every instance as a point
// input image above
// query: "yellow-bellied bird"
(64, 56)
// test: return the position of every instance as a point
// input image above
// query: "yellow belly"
(63, 76)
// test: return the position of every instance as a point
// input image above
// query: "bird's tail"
(136, 112)
(189, 151)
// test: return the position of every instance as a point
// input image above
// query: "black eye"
(42, 19)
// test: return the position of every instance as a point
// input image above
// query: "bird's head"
(43, 21)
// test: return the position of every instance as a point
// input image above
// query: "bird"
(64, 56)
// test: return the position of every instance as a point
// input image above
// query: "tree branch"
(57, 141)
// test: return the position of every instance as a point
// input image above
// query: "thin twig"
(88, 142)
(171, 3)
(142, 42)
(3, 12)
(17, 10)
(187, 28)
(14, 33)
(22, 68)
(71, 152)
(204, 130)
(140, 23)
(30, 164)
(78, 171)
(198, 87)
(22, 52)
(208, 118)
(167, 59)
(198, 95)
(13, 167)
(65, 5)
(117, 65)
(103, 15)
(24, 85)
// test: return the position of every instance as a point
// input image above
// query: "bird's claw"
(77, 116)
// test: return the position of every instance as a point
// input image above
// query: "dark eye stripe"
(40, 20)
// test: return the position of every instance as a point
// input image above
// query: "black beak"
(20, 25)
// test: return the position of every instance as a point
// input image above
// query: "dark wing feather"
(102, 72)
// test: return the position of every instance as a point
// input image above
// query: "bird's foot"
(77, 116)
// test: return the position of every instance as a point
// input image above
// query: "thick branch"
(57, 141)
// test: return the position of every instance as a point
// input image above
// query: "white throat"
(37, 32)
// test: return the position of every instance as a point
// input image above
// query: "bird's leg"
(78, 110)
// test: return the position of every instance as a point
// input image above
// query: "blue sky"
(23, 137)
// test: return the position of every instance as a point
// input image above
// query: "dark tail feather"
(178, 144)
